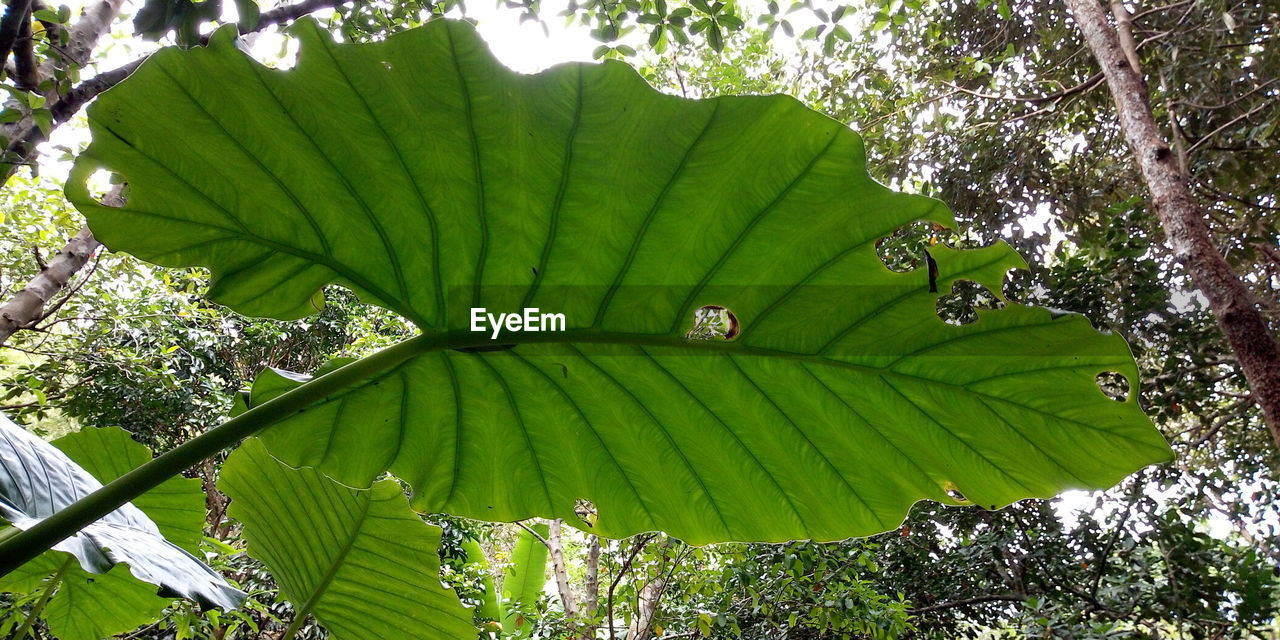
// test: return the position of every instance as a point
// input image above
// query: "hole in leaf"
(954, 493)
(962, 304)
(586, 511)
(713, 322)
(1114, 385)
(906, 249)
(108, 188)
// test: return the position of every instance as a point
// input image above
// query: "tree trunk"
(591, 584)
(1180, 214)
(556, 545)
(641, 627)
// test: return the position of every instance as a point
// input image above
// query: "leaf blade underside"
(360, 560)
(431, 188)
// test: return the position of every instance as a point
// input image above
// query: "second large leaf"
(432, 181)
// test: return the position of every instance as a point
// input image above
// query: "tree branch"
(1181, 216)
(1243, 116)
(636, 548)
(1124, 30)
(1005, 597)
(26, 308)
(11, 26)
(535, 534)
(24, 57)
(591, 583)
(1088, 84)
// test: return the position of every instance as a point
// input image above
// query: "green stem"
(22, 547)
(299, 617)
(38, 607)
(19, 549)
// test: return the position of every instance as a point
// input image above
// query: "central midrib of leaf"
(397, 355)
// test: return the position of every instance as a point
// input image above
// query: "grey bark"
(1181, 216)
(641, 627)
(25, 309)
(591, 584)
(555, 543)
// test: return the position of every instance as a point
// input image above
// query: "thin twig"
(533, 533)
(1226, 126)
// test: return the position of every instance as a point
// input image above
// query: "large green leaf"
(423, 175)
(524, 580)
(360, 560)
(154, 535)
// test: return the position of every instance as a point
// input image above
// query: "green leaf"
(583, 191)
(95, 597)
(86, 606)
(524, 580)
(714, 37)
(46, 15)
(361, 561)
(490, 607)
(91, 606)
(43, 119)
(732, 23)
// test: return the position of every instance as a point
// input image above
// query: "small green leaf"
(715, 38)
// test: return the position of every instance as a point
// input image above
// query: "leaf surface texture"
(420, 173)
